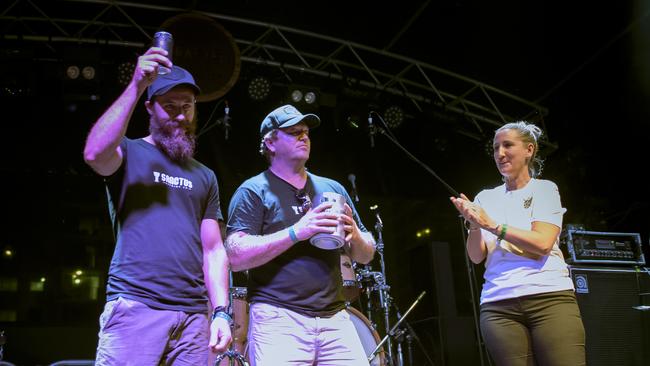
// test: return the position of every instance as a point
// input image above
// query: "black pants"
(543, 329)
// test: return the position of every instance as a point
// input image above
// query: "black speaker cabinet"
(614, 307)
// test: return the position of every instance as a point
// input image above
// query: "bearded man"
(169, 259)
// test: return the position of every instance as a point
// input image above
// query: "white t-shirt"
(509, 271)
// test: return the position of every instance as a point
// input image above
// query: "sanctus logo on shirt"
(173, 182)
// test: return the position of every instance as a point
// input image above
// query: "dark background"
(587, 63)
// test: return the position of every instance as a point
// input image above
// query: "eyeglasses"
(305, 201)
(297, 133)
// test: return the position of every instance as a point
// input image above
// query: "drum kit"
(354, 284)
(357, 280)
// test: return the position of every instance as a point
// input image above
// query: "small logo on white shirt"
(528, 201)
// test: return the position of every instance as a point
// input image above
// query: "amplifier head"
(581, 246)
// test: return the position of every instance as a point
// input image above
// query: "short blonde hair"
(529, 134)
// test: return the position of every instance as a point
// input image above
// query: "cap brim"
(164, 90)
(311, 120)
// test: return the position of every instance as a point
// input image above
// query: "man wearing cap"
(297, 309)
(169, 259)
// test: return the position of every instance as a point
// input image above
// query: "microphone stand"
(429, 170)
(226, 127)
(473, 287)
(391, 332)
(474, 291)
(225, 121)
(410, 335)
(381, 286)
(3, 339)
(233, 356)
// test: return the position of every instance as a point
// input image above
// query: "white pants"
(277, 336)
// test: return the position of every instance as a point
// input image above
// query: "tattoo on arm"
(231, 244)
(239, 242)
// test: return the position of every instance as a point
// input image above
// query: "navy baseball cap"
(164, 83)
(287, 116)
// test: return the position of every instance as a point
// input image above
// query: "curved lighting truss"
(293, 51)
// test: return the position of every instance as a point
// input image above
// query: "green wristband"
(292, 235)
(504, 229)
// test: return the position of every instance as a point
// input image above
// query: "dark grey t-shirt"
(304, 278)
(157, 207)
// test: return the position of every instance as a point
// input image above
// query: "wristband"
(224, 315)
(504, 229)
(220, 312)
(292, 235)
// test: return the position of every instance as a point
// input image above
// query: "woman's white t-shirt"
(509, 271)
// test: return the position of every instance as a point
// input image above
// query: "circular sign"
(207, 50)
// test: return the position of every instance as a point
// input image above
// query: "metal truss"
(295, 52)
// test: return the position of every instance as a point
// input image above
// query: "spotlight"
(72, 72)
(304, 96)
(125, 72)
(259, 88)
(88, 72)
(310, 97)
(394, 116)
(296, 96)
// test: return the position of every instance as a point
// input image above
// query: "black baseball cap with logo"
(164, 83)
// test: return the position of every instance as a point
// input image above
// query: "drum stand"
(392, 332)
(410, 335)
(232, 354)
(380, 284)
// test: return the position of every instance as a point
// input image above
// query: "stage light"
(36, 286)
(296, 96)
(310, 97)
(125, 72)
(303, 96)
(259, 88)
(353, 121)
(394, 116)
(72, 72)
(88, 72)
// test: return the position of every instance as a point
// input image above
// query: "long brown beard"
(177, 142)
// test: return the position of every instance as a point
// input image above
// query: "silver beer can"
(336, 239)
(165, 41)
